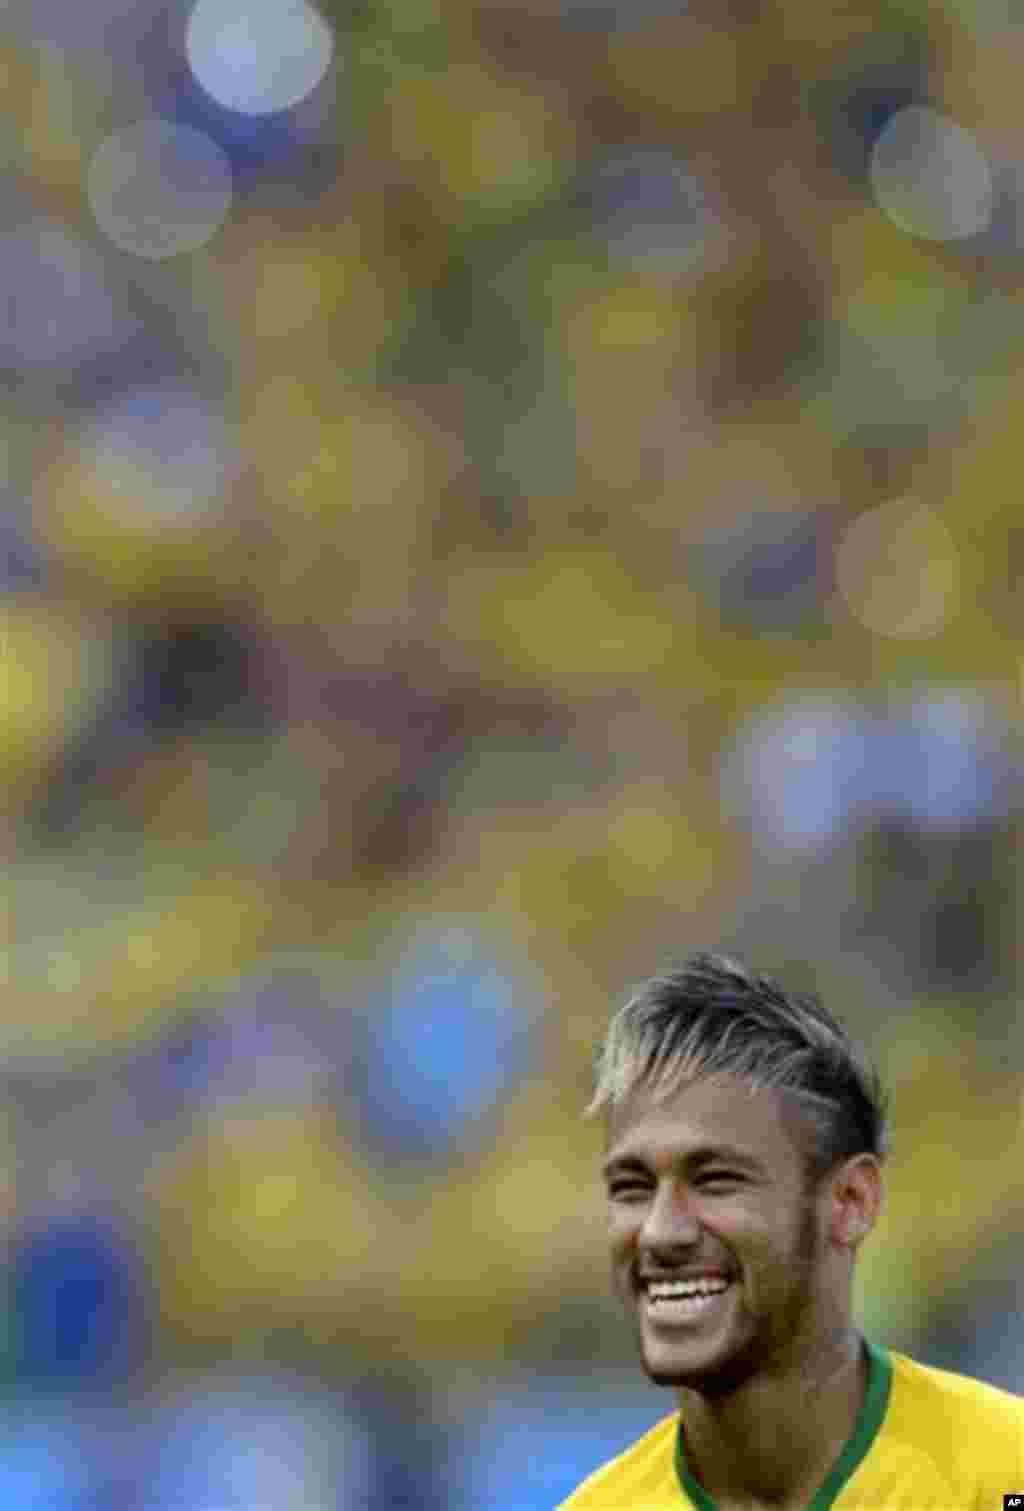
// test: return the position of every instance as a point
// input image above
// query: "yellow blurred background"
(494, 498)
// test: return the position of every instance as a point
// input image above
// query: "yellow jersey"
(925, 1440)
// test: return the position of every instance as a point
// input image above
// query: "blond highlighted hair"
(713, 1016)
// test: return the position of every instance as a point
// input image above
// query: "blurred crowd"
(495, 497)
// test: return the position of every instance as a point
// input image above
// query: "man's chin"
(718, 1373)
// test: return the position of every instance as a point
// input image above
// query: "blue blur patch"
(803, 775)
(41, 1467)
(58, 308)
(535, 1446)
(949, 763)
(297, 146)
(79, 1306)
(853, 106)
(766, 570)
(170, 1078)
(233, 1446)
(22, 561)
(439, 1044)
(646, 203)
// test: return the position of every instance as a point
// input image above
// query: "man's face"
(710, 1181)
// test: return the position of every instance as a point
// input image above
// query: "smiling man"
(746, 1142)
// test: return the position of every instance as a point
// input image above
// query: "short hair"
(711, 1015)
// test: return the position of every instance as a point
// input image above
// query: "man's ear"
(855, 1200)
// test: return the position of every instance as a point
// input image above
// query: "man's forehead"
(709, 1110)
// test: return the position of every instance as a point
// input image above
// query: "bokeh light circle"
(157, 189)
(930, 176)
(897, 568)
(160, 455)
(258, 56)
(800, 775)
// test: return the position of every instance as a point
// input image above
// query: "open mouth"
(684, 1307)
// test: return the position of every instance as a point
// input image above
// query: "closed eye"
(621, 1189)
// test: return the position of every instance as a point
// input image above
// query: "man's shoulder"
(951, 1414)
(643, 1474)
(927, 1382)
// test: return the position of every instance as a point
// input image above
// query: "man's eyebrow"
(706, 1154)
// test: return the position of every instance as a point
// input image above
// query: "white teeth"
(658, 1289)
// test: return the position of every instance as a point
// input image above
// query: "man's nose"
(670, 1219)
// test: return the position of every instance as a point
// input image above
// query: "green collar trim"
(865, 1430)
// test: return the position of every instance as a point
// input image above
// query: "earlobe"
(853, 1215)
(848, 1226)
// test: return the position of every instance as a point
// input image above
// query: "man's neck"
(772, 1443)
